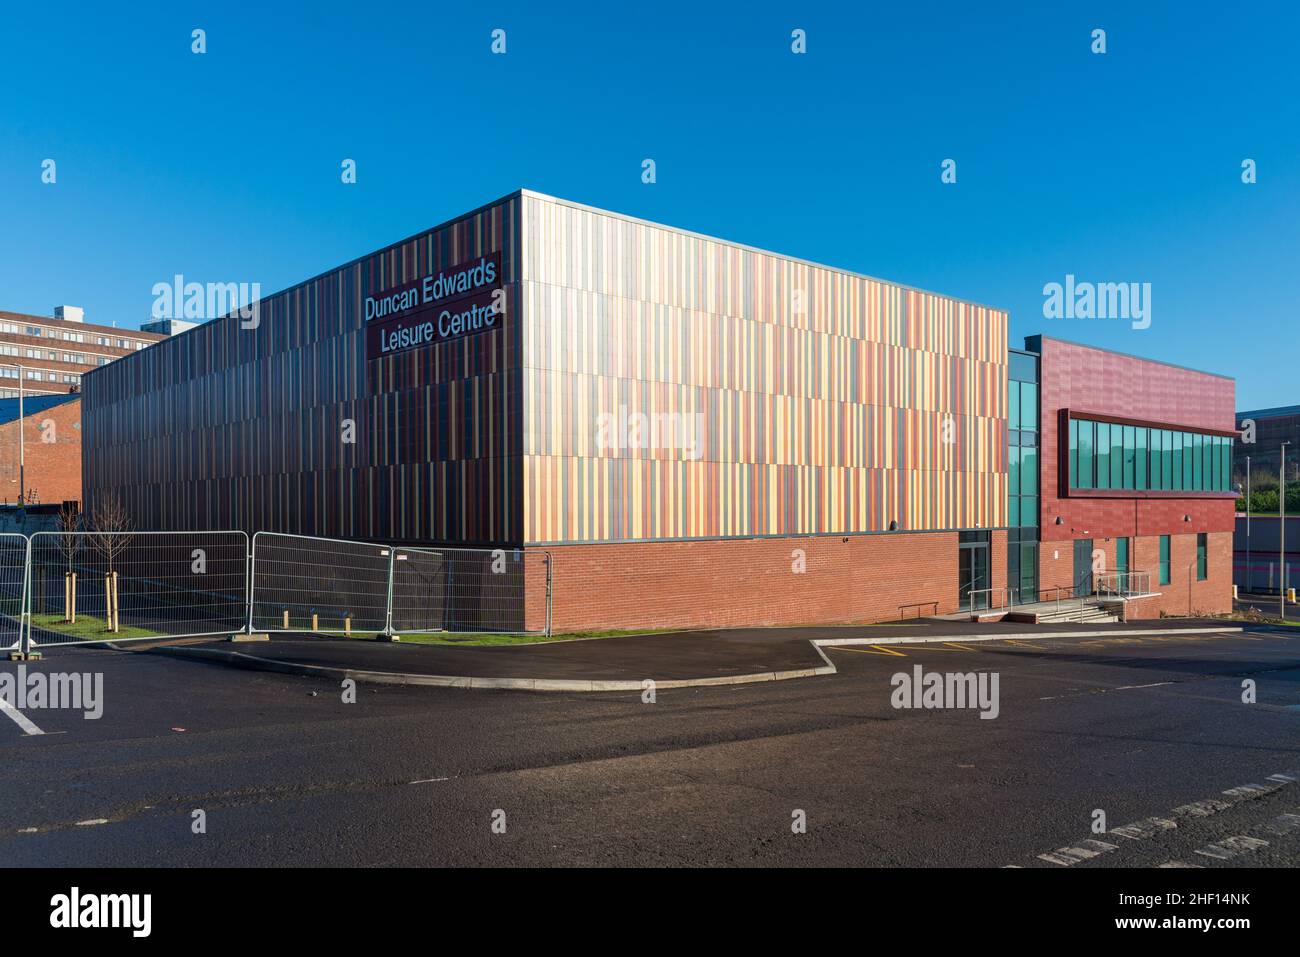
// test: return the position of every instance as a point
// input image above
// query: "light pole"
(1248, 569)
(1281, 521)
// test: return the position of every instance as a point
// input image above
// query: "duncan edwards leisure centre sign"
(449, 304)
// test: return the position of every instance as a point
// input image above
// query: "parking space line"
(865, 651)
(953, 644)
(19, 718)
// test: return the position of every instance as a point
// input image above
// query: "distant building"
(46, 464)
(54, 352)
(1272, 428)
(167, 327)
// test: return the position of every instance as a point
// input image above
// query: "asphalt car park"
(287, 771)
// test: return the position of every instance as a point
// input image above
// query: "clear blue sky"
(1120, 167)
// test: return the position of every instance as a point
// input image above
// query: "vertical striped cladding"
(227, 427)
(823, 399)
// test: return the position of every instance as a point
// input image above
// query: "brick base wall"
(749, 582)
(1212, 596)
(53, 451)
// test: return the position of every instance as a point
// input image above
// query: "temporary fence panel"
(461, 589)
(332, 586)
(13, 588)
(322, 585)
(96, 586)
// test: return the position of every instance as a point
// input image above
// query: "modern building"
(53, 353)
(1264, 431)
(697, 432)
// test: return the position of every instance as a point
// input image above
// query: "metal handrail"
(918, 605)
(1006, 594)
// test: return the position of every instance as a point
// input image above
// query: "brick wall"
(749, 582)
(53, 453)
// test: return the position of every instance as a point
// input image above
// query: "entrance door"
(973, 571)
(1082, 567)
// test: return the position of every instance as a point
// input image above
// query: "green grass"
(487, 639)
(89, 628)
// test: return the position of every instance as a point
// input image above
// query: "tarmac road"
(286, 773)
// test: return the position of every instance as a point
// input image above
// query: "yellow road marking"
(879, 650)
(953, 644)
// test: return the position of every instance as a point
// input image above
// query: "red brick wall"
(53, 472)
(1212, 596)
(711, 584)
(1085, 380)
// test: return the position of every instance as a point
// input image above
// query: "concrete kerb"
(1024, 636)
(239, 659)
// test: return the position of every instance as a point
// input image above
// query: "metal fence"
(13, 589)
(336, 586)
(84, 587)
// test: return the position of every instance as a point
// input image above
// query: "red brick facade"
(728, 583)
(53, 455)
(1087, 380)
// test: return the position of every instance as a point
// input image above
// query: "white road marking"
(1065, 856)
(92, 821)
(1282, 824)
(1231, 847)
(19, 718)
(429, 780)
(1202, 808)
(1180, 864)
(1144, 828)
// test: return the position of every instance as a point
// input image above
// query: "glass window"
(1198, 463)
(1178, 460)
(1164, 559)
(1087, 432)
(1121, 557)
(1028, 405)
(1073, 458)
(1103, 455)
(1167, 459)
(1029, 471)
(1013, 472)
(1201, 569)
(1117, 456)
(1029, 510)
(1013, 413)
(1130, 454)
(1141, 477)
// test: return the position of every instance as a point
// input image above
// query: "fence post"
(25, 606)
(250, 557)
(388, 610)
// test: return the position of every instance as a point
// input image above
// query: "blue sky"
(1122, 167)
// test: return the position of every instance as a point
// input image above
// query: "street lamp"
(1281, 521)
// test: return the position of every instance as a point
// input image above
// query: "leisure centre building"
(697, 432)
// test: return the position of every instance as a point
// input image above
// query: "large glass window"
(1201, 557)
(1111, 456)
(1164, 559)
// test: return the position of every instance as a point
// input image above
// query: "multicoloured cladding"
(233, 427)
(825, 402)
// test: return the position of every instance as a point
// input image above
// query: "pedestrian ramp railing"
(91, 587)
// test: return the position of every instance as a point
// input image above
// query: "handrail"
(1006, 595)
(918, 605)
